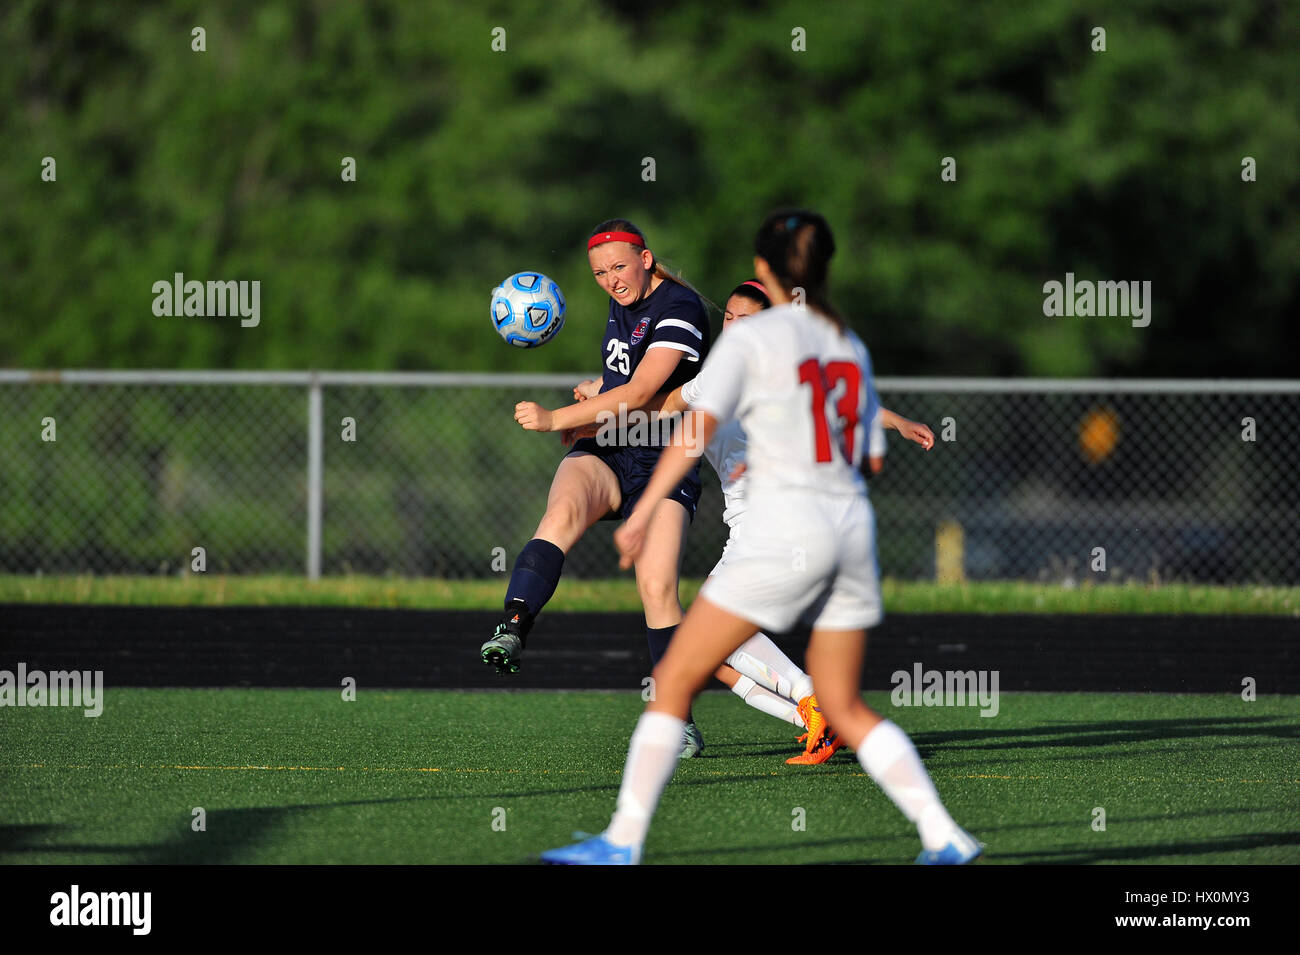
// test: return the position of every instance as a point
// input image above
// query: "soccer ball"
(528, 309)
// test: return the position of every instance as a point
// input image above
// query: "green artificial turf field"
(300, 776)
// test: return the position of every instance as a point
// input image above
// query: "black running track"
(319, 646)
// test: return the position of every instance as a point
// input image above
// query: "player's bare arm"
(647, 381)
(588, 389)
(667, 402)
(911, 430)
(664, 403)
(583, 390)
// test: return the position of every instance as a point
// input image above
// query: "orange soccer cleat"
(829, 745)
(822, 742)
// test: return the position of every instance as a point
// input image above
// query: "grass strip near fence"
(620, 594)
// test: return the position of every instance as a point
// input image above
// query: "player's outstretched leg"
(657, 578)
(760, 697)
(584, 490)
(764, 662)
(657, 639)
(710, 634)
(789, 696)
(884, 750)
(536, 574)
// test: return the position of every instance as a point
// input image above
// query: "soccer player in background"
(759, 672)
(777, 372)
(656, 335)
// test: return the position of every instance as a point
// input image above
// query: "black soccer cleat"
(507, 643)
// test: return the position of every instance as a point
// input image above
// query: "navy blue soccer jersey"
(672, 316)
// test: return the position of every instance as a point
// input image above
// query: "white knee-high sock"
(651, 759)
(888, 756)
(763, 662)
(764, 700)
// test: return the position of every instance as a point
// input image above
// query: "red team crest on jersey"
(638, 333)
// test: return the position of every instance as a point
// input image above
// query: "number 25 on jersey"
(619, 359)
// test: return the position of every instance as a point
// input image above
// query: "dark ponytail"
(797, 245)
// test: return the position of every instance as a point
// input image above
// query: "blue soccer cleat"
(961, 848)
(596, 850)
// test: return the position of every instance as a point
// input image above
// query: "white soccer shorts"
(801, 557)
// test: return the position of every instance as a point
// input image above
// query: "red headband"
(756, 284)
(600, 238)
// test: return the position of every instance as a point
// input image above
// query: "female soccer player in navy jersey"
(656, 337)
(800, 383)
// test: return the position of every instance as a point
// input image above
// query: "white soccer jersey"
(725, 452)
(877, 447)
(792, 381)
(805, 550)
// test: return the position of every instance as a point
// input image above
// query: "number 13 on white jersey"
(825, 381)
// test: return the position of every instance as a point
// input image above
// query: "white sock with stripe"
(764, 700)
(763, 662)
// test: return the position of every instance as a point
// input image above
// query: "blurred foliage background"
(473, 164)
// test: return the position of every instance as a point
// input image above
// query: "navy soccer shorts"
(633, 467)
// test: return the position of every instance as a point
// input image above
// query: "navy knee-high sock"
(658, 638)
(536, 574)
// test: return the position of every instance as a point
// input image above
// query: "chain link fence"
(428, 475)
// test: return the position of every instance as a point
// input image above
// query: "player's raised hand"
(532, 416)
(629, 539)
(918, 432)
(586, 389)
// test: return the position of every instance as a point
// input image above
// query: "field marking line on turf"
(342, 769)
(325, 769)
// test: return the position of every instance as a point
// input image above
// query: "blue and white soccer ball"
(528, 309)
